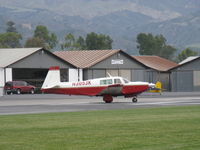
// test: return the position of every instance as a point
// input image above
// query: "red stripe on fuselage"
(93, 91)
(90, 91)
(134, 89)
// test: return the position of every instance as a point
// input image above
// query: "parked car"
(18, 87)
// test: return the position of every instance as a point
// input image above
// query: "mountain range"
(177, 20)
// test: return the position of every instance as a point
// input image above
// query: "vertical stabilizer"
(159, 85)
(53, 77)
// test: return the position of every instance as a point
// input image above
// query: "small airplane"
(157, 88)
(106, 87)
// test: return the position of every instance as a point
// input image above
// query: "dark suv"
(18, 87)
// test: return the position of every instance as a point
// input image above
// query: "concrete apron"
(1, 91)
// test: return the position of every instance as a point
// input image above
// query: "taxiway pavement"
(47, 103)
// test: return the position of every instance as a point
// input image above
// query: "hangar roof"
(85, 58)
(186, 61)
(191, 58)
(156, 62)
(11, 55)
(88, 58)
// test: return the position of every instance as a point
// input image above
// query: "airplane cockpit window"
(102, 82)
(109, 81)
(106, 82)
(117, 81)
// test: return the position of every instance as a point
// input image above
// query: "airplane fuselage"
(114, 86)
(106, 87)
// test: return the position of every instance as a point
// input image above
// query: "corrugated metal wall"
(126, 69)
(186, 78)
(138, 75)
(129, 69)
(182, 81)
(126, 63)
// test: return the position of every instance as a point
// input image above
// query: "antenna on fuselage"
(109, 74)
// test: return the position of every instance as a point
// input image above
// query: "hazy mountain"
(181, 31)
(92, 8)
(177, 20)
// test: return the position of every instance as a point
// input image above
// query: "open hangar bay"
(45, 103)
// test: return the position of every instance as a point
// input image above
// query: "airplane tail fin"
(52, 78)
(158, 85)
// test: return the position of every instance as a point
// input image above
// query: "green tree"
(69, 42)
(11, 27)
(93, 41)
(35, 42)
(52, 40)
(186, 53)
(98, 41)
(42, 33)
(168, 52)
(80, 43)
(10, 39)
(154, 45)
(42, 38)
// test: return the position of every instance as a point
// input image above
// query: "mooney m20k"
(106, 87)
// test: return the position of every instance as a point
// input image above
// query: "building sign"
(117, 61)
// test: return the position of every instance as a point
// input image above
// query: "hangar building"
(186, 76)
(100, 63)
(31, 65)
(158, 69)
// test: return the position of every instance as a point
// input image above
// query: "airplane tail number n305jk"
(106, 87)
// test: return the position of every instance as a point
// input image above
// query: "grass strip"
(167, 128)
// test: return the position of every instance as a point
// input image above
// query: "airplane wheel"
(134, 100)
(107, 98)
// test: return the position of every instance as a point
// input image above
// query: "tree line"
(147, 43)
(93, 41)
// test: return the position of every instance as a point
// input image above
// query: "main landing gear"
(134, 100)
(107, 98)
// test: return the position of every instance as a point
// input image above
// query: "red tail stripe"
(54, 68)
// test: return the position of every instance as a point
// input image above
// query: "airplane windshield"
(126, 81)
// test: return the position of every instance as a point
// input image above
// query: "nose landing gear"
(134, 100)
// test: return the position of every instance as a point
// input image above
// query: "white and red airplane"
(106, 87)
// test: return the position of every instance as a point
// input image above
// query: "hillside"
(177, 20)
(181, 31)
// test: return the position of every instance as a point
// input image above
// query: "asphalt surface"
(46, 103)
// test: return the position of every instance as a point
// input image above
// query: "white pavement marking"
(167, 103)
